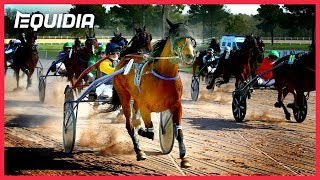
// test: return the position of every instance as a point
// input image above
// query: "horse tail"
(115, 101)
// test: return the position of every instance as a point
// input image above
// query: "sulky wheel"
(195, 88)
(166, 132)
(69, 121)
(239, 105)
(42, 88)
(39, 72)
(300, 111)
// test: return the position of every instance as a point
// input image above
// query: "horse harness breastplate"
(139, 68)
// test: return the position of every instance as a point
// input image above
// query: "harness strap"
(163, 77)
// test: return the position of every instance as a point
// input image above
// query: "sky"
(250, 9)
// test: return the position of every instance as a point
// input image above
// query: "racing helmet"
(210, 50)
(67, 44)
(112, 48)
(273, 54)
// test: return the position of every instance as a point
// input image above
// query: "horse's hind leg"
(176, 117)
(125, 102)
(282, 93)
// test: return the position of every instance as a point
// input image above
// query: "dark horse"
(118, 38)
(140, 42)
(241, 63)
(297, 77)
(199, 62)
(79, 59)
(26, 56)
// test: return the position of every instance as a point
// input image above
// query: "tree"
(236, 24)
(269, 16)
(9, 18)
(302, 16)
(97, 10)
(208, 15)
(130, 16)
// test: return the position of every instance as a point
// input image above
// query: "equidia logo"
(36, 21)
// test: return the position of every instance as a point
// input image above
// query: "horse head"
(30, 37)
(91, 43)
(182, 42)
(214, 45)
(77, 42)
(142, 39)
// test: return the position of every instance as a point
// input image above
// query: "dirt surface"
(264, 144)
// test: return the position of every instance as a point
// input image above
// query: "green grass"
(287, 46)
(49, 46)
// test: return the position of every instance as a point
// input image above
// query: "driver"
(107, 67)
(60, 67)
(209, 59)
(267, 64)
(12, 47)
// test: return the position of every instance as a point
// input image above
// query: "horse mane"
(158, 47)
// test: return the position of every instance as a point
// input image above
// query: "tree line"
(205, 20)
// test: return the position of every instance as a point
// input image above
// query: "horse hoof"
(290, 105)
(185, 163)
(277, 105)
(141, 156)
(288, 117)
(17, 89)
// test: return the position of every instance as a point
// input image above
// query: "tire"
(69, 121)
(42, 88)
(239, 105)
(300, 111)
(195, 88)
(166, 132)
(39, 72)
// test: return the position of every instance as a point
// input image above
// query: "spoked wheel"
(69, 121)
(42, 88)
(166, 132)
(239, 105)
(300, 111)
(39, 72)
(195, 88)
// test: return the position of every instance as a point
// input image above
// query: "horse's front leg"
(146, 116)
(177, 121)
(29, 80)
(17, 72)
(136, 121)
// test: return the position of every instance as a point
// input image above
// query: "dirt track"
(264, 144)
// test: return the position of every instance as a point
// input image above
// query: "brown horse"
(160, 87)
(79, 59)
(140, 42)
(296, 78)
(199, 62)
(26, 56)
